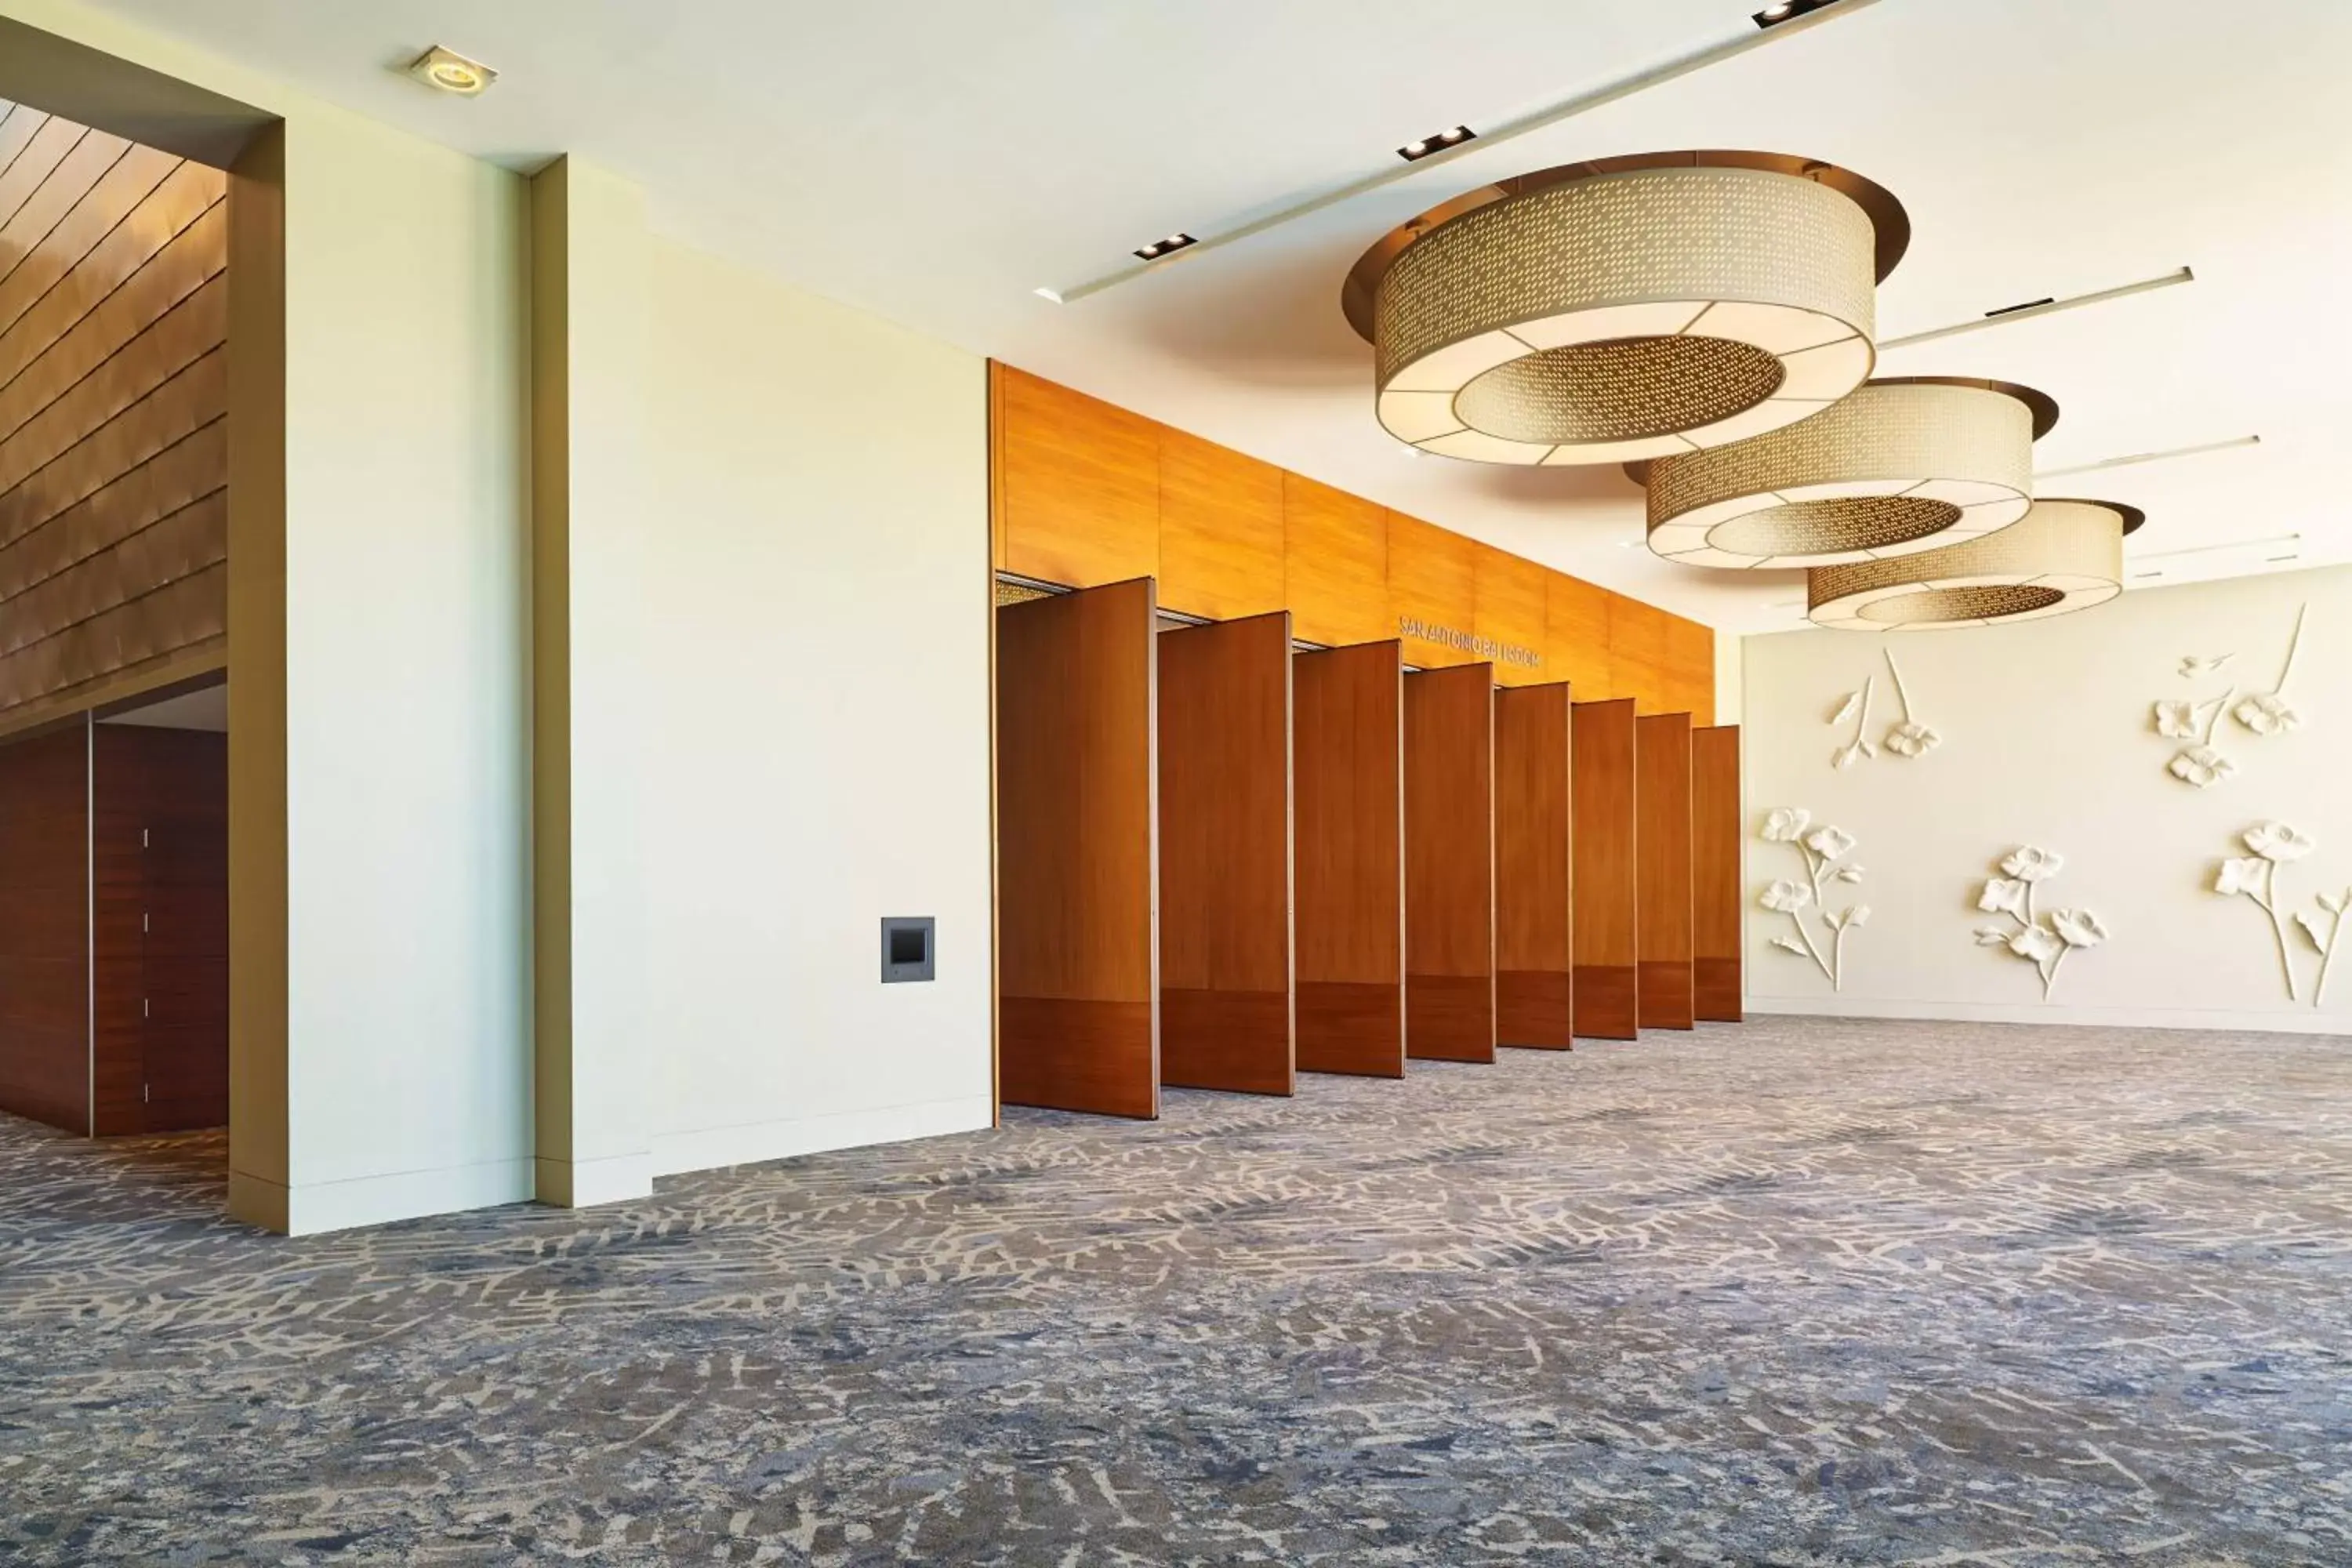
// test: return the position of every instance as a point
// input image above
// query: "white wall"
(815, 604)
(2048, 740)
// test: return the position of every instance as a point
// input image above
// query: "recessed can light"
(1168, 247)
(1789, 11)
(450, 71)
(1414, 152)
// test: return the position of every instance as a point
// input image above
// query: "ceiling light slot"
(1168, 247)
(2032, 309)
(1430, 146)
(1789, 11)
(2028, 305)
(448, 71)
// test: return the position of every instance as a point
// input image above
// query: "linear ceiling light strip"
(2139, 458)
(2030, 312)
(1746, 40)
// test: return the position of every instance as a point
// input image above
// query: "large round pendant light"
(1627, 307)
(2067, 555)
(1900, 467)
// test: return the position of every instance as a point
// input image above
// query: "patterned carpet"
(1805, 1292)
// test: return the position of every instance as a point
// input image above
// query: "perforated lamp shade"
(1631, 310)
(1899, 467)
(2066, 555)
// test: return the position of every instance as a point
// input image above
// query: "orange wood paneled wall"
(1224, 855)
(45, 978)
(1088, 493)
(113, 408)
(1533, 956)
(1348, 743)
(1607, 947)
(1662, 788)
(1449, 879)
(1078, 952)
(1715, 873)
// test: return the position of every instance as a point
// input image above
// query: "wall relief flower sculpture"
(1855, 707)
(2044, 943)
(2201, 763)
(1821, 848)
(2196, 666)
(2270, 712)
(1908, 738)
(2255, 878)
(2198, 764)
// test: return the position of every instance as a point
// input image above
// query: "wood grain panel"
(1449, 879)
(1077, 945)
(45, 929)
(1226, 855)
(1433, 579)
(1575, 614)
(1348, 750)
(1335, 564)
(1079, 483)
(1511, 611)
(1220, 529)
(1663, 806)
(1535, 956)
(1690, 671)
(159, 857)
(1603, 854)
(1719, 984)
(113, 311)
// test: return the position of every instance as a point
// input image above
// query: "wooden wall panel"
(113, 474)
(1086, 494)
(1348, 743)
(1662, 794)
(159, 858)
(1449, 879)
(1719, 984)
(1226, 998)
(1077, 945)
(1534, 955)
(1607, 950)
(1336, 570)
(45, 929)
(1078, 481)
(1220, 529)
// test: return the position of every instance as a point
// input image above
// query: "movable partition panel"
(1719, 982)
(1449, 863)
(1662, 798)
(1602, 855)
(1347, 771)
(1077, 943)
(1534, 958)
(1224, 855)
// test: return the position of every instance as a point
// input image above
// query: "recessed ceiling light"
(451, 72)
(1789, 11)
(1168, 247)
(1428, 146)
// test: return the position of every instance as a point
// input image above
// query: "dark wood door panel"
(1347, 763)
(1449, 882)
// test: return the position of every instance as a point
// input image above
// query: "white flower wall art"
(2201, 763)
(1907, 738)
(1822, 849)
(2270, 712)
(1910, 737)
(2254, 876)
(1856, 707)
(2045, 942)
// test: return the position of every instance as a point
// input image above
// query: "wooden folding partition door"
(1078, 942)
(1717, 981)
(1449, 865)
(1348, 743)
(1534, 959)
(1662, 794)
(1225, 999)
(1607, 955)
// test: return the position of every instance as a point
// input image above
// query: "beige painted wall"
(811, 740)
(395, 863)
(2049, 739)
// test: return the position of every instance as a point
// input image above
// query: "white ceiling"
(937, 161)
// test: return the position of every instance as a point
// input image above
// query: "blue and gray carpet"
(1805, 1293)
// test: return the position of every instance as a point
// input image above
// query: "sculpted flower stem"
(2219, 709)
(2050, 975)
(2293, 647)
(1861, 719)
(1901, 696)
(2268, 903)
(1814, 866)
(2327, 961)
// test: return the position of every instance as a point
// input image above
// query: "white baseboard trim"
(2308, 1021)
(586, 1184)
(312, 1208)
(752, 1143)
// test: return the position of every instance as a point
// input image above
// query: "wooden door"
(1078, 937)
(1348, 742)
(1607, 956)
(1663, 799)
(1534, 922)
(1719, 982)
(1225, 999)
(1449, 877)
